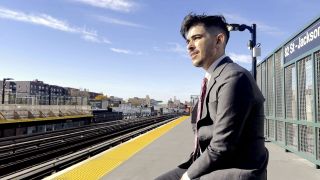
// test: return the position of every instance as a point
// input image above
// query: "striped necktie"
(199, 113)
(201, 98)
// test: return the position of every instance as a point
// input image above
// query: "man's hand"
(185, 176)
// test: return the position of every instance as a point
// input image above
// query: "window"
(305, 90)
(278, 83)
(317, 62)
(270, 90)
(290, 92)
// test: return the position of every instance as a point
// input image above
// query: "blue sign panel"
(302, 43)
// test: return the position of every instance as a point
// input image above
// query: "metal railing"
(22, 111)
(292, 106)
(20, 98)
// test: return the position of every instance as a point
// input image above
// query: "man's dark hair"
(208, 21)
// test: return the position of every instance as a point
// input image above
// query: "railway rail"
(39, 155)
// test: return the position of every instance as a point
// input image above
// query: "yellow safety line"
(101, 165)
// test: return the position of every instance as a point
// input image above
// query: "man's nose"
(190, 46)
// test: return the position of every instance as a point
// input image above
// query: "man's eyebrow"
(199, 34)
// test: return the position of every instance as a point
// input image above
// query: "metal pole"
(254, 59)
(49, 95)
(3, 87)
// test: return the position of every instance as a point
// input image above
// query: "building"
(73, 92)
(93, 95)
(154, 102)
(148, 101)
(36, 87)
(115, 101)
(170, 104)
(136, 101)
(83, 93)
(175, 103)
(9, 88)
(289, 80)
(39, 93)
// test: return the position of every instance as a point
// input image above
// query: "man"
(229, 138)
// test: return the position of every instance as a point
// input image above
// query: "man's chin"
(196, 63)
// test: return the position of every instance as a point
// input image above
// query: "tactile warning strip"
(102, 164)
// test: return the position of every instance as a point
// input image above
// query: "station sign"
(303, 42)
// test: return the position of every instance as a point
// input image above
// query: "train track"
(36, 156)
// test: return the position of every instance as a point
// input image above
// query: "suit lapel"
(216, 73)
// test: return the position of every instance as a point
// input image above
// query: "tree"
(100, 97)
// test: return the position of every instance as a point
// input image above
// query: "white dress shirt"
(209, 71)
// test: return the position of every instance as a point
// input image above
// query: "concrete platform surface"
(286, 165)
(175, 146)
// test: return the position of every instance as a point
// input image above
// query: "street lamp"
(251, 44)
(4, 86)
(50, 94)
(194, 99)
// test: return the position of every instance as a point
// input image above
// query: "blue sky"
(128, 48)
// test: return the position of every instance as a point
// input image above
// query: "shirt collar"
(210, 70)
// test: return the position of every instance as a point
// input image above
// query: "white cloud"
(116, 5)
(119, 22)
(177, 48)
(90, 38)
(51, 22)
(42, 19)
(95, 39)
(234, 18)
(173, 47)
(240, 58)
(104, 40)
(125, 51)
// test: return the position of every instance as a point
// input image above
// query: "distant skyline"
(131, 48)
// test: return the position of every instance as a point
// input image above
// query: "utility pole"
(4, 87)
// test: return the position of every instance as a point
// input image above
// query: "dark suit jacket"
(230, 130)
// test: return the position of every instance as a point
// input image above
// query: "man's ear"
(220, 38)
